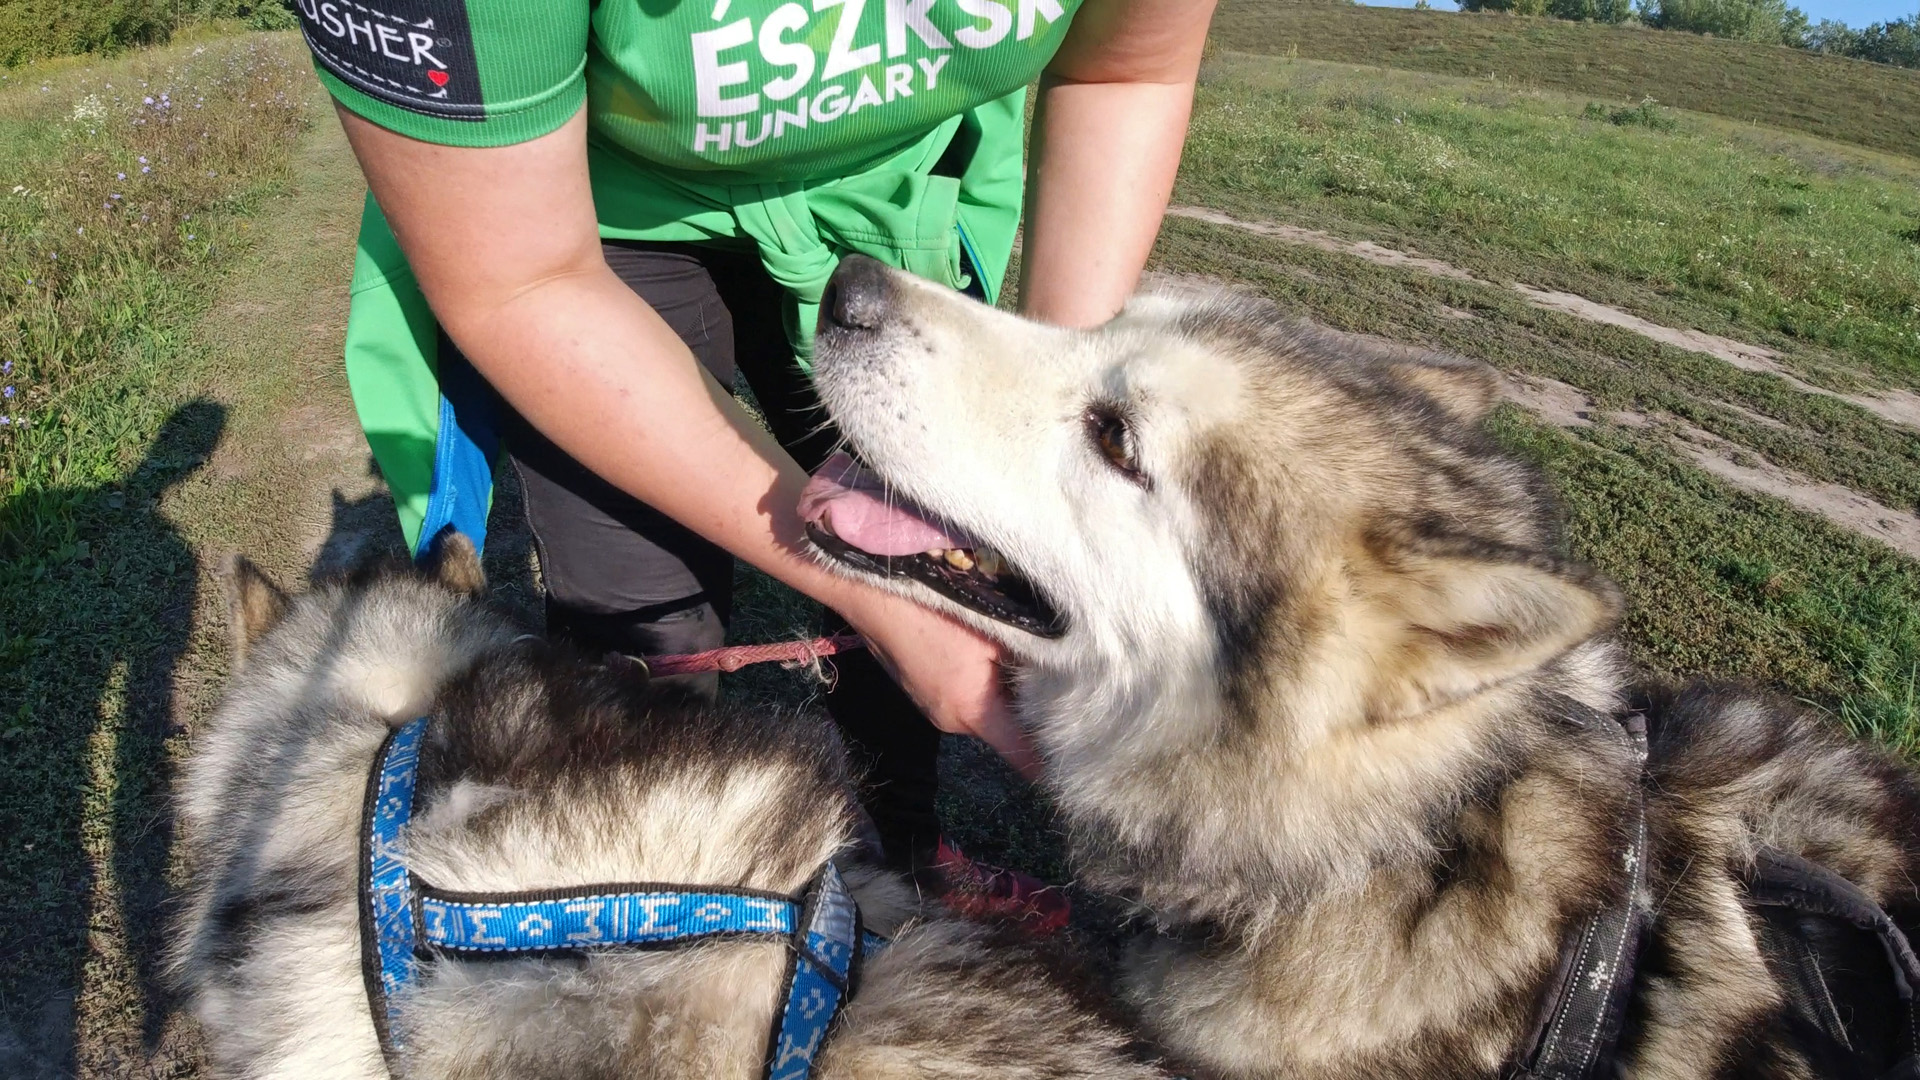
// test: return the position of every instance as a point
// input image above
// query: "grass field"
(1791, 89)
(179, 381)
(132, 188)
(1801, 244)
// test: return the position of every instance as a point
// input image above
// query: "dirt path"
(1570, 407)
(1895, 406)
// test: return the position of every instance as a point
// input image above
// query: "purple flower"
(113, 196)
(5, 420)
(143, 161)
(119, 176)
(146, 101)
(7, 368)
(8, 392)
(146, 168)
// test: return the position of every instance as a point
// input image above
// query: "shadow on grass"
(97, 591)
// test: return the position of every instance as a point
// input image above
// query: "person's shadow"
(97, 592)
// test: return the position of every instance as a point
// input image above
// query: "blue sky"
(1851, 12)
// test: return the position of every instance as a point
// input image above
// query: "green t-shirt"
(746, 90)
(803, 129)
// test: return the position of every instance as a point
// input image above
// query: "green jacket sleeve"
(454, 72)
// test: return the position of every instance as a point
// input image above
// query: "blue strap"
(463, 453)
(388, 897)
(823, 965)
(599, 918)
(403, 920)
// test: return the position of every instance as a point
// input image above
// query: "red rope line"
(736, 657)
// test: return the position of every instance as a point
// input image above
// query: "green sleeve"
(453, 72)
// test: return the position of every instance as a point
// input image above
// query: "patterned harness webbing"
(1586, 1004)
(404, 921)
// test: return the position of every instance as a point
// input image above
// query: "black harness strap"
(1833, 1000)
(1819, 976)
(1586, 1004)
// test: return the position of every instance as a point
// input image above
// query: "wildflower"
(76, 232)
(112, 196)
(6, 392)
(7, 368)
(146, 168)
(189, 236)
(5, 420)
(146, 101)
(120, 176)
(143, 160)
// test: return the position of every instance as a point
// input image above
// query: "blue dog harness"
(405, 921)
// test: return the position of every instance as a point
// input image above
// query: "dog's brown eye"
(1115, 440)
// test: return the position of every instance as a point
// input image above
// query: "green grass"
(1808, 247)
(1848, 100)
(97, 585)
(1728, 584)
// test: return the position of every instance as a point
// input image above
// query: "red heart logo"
(436, 77)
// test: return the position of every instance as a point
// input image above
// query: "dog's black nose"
(857, 295)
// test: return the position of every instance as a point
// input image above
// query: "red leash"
(736, 657)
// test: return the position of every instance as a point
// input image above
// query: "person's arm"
(505, 246)
(1108, 128)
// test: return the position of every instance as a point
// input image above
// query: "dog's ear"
(456, 565)
(1466, 389)
(1471, 618)
(255, 605)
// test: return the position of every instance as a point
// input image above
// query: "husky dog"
(1314, 684)
(540, 770)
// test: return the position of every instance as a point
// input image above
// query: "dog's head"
(381, 639)
(1273, 517)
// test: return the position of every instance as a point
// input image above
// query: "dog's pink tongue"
(858, 509)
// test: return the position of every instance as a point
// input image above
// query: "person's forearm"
(1104, 155)
(620, 392)
(540, 315)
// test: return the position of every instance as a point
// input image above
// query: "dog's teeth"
(989, 561)
(936, 553)
(959, 559)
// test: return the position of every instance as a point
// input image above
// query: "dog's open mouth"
(852, 517)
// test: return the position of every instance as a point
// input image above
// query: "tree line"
(1775, 22)
(36, 29)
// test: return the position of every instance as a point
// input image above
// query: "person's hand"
(950, 671)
